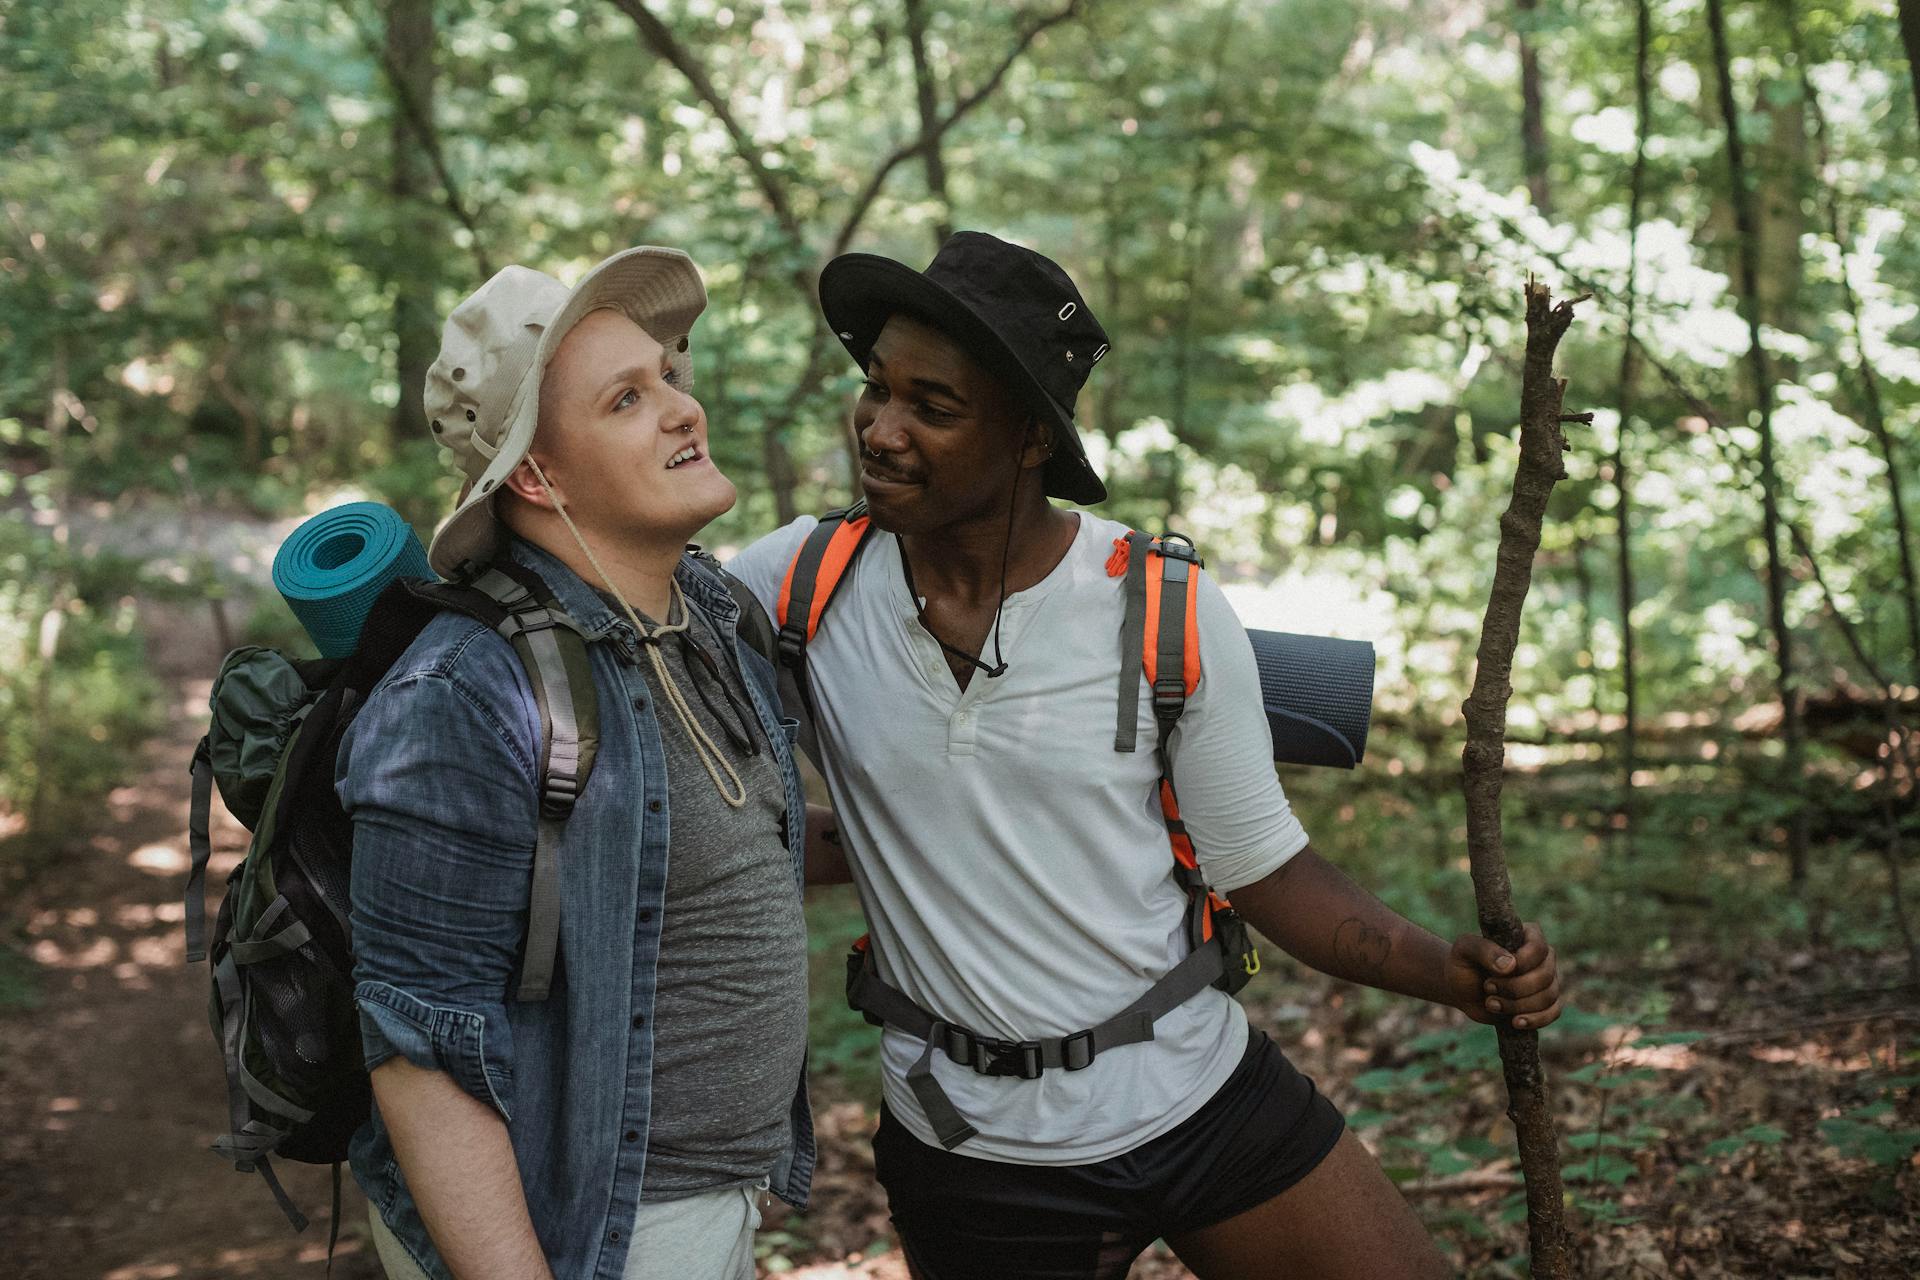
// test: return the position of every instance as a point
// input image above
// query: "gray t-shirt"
(730, 1006)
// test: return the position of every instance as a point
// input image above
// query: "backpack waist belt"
(886, 1004)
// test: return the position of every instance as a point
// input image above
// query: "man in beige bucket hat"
(625, 1125)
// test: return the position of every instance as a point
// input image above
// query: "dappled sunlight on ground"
(162, 859)
(111, 1091)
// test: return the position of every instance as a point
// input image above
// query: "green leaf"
(1605, 1167)
(1589, 1140)
(1388, 1078)
(1885, 1147)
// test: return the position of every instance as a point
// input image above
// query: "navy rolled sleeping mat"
(1318, 695)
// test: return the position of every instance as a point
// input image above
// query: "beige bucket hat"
(483, 391)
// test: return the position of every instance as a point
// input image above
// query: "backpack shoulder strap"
(817, 571)
(1159, 631)
(550, 647)
(753, 625)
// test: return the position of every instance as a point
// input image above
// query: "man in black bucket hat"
(1012, 855)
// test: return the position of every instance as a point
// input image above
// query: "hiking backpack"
(281, 948)
(1160, 640)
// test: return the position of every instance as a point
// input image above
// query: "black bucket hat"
(1014, 310)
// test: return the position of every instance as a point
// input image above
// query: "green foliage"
(19, 981)
(841, 1045)
(1866, 1133)
(75, 699)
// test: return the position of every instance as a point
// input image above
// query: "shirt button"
(633, 1135)
(614, 1236)
(645, 916)
(653, 806)
(639, 704)
(639, 1020)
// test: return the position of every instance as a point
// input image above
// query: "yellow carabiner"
(1251, 961)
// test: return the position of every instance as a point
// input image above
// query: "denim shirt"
(439, 774)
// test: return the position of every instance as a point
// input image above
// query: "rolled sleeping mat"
(333, 567)
(1318, 695)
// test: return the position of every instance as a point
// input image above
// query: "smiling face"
(623, 446)
(939, 434)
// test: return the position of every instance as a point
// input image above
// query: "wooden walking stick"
(1529, 1102)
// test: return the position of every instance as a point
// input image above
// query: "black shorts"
(960, 1217)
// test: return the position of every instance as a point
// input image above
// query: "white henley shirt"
(1014, 868)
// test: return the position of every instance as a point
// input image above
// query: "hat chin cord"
(726, 780)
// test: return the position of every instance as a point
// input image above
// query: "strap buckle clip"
(792, 644)
(1076, 1050)
(562, 790)
(1019, 1058)
(1178, 546)
(1169, 695)
(991, 1057)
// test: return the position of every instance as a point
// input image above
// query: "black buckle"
(958, 1042)
(1010, 1058)
(1178, 546)
(1076, 1050)
(792, 644)
(1169, 696)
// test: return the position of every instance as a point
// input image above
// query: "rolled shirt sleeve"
(1242, 825)
(441, 792)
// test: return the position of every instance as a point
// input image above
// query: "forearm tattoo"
(1360, 951)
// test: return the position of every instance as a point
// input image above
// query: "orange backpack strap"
(817, 570)
(816, 573)
(1159, 632)
(1160, 640)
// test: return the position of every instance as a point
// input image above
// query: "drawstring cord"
(726, 779)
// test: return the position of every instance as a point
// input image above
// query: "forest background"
(230, 231)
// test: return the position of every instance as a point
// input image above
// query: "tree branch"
(660, 38)
(429, 139)
(924, 97)
(1529, 1100)
(955, 114)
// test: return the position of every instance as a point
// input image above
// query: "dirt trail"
(111, 1090)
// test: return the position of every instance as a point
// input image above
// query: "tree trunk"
(1622, 476)
(1529, 1098)
(409, 56)
(1533, 128)
(1868, 377)
(924, 92)
(1583, 583)
(46, 648)
(1910, 36)
(1748, 249)
(1199, 181)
